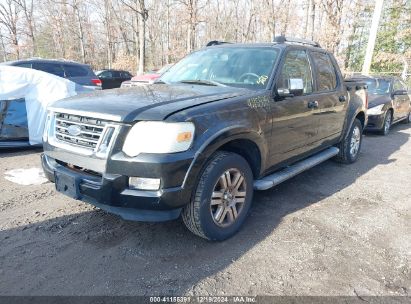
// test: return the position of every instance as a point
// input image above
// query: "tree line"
(139, 35)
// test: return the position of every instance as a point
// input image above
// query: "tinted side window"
(105, 74)
(326, 77)
(125, 75)
(296, 66)
(116, 74)
(24, 65)
(75, 70)
(52, 68)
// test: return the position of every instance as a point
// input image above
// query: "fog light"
(144, 183)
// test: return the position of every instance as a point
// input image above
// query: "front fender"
(213, 139)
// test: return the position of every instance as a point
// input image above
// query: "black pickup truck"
(225, 120)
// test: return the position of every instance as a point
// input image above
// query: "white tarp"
(39, 89)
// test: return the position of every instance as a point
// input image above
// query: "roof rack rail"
(284, 39)
(216, 42)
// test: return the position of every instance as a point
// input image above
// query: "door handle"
(313, 104)
(342, 98)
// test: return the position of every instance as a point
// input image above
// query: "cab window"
(326, 77)
(296, 66)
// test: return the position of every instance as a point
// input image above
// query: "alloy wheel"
(228, 197)
(387, 123)
(355, 141)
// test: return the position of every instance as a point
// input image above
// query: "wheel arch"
(248, 149)
(248, 144)
(361, 117)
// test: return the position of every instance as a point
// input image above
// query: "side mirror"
(295, 88)
(399, 92)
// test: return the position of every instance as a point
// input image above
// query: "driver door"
(294, 123)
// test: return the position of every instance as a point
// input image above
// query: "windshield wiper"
(203, 82)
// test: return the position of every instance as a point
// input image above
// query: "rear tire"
(350, 146)
(222, 199)
(387, 123)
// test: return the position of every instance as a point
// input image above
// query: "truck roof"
(279, 41)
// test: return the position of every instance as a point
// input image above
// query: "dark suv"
(224, 121)
(112, 79)
(79, 73)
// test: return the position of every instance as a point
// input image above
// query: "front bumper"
(375, 122)
(110, 191)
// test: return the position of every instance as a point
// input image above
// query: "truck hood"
(152, 102)
(376, 100)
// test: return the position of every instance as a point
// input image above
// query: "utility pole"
(373, 35)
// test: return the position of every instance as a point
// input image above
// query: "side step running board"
(295, 169)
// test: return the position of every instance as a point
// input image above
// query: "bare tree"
(76, 7)
(333, 10)
(193, 7)
(27, 6)
(9, 17)
(141, 12)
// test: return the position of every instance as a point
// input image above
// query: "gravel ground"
(333, 230)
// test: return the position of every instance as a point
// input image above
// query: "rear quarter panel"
(357, 104)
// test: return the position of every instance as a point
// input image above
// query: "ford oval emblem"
(74, 130)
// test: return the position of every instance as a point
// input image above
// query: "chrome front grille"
(88, 131)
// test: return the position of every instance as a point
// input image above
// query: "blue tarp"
(13, 121)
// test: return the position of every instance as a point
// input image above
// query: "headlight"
(158, 137)
(376, 110)
(47, 125)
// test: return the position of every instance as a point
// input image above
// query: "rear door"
(331, 96)
(293, 120)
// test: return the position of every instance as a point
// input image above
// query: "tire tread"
(343, 155)
(191, 212)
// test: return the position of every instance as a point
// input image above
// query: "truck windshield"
(378, 86)
(233, 66)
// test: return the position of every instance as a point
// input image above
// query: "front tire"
(350, 146)
(222, 199)
(387, 123)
